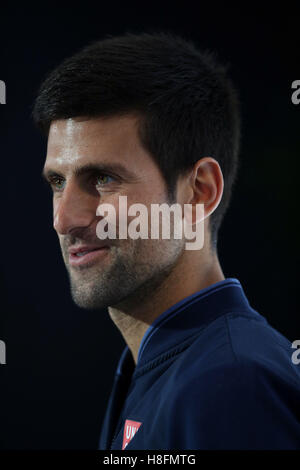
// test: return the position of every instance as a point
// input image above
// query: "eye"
(57, 182)
(102, 180)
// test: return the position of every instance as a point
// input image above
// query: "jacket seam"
(152, 363)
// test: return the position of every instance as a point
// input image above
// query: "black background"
(61, 359)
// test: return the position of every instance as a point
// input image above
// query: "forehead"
(72, 142)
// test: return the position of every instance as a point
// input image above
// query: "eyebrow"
(111, 168)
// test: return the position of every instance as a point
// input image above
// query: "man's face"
(126, 269)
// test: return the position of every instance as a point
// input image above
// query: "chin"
(87, 304)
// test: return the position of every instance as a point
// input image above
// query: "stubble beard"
(128, 274)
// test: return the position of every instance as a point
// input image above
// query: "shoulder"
(244, 345)
(243, 391)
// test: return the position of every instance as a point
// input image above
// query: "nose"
(73, 209)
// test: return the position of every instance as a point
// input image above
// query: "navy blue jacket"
(211, 374)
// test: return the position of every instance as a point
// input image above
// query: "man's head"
(151, 109)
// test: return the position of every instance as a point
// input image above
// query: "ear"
(206, 185)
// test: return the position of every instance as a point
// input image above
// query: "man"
(152, 118)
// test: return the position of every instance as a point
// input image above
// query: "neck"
(134, 317)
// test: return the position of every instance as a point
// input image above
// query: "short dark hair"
(187, 104)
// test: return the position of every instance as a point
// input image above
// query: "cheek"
(151, 194)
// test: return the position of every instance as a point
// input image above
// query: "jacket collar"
(185, 318)
(175, 325)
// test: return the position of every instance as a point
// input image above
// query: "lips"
(83, 248)
(80, 255)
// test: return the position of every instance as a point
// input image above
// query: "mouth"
(82, 257)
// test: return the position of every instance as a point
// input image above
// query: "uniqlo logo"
(130, 428)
